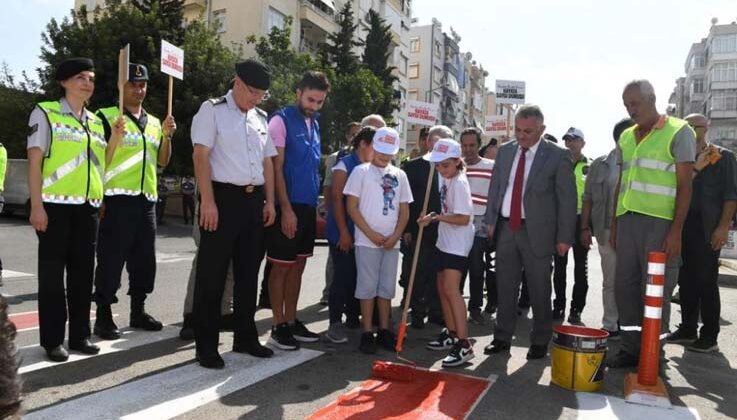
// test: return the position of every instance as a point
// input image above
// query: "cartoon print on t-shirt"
(443, 196)
(388, 183)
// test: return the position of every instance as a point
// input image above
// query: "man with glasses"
(235, 176)
(705, 232)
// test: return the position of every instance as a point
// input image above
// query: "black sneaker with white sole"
(281, 337)
(302, 334)
(442, 342)
(461, 353)
(703, 345)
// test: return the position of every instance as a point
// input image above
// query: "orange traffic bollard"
(646, 387)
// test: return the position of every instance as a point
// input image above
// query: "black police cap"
(137, 73)
(73, 66)
(254, 73)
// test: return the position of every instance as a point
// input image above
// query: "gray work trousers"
(637, 235)
(226, 305)
(513, 253)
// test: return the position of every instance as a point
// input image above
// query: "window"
(218, 20)
(724, 72)
(724, 100)
(724, 133)
(412, 95)
(437, 75)
(414, 71)
(414, 45)
(275, 19)
(403, 64)
(438, 49)
(697, 86)
(698, 61)
(724, 44)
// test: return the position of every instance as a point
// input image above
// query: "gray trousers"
(513, 253)
(226, 305)
(637, 235)
(608, 269)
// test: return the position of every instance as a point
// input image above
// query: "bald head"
(373, 120)
(699, 124)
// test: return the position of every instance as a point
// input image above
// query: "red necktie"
(515, 214)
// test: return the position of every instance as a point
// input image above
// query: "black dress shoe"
(84, 346)
(537, 351)
(559, 313)
(106, 331)
(145, 321)
(226, 322)
(187, 332)
(213, 361)
(254, 348)
(57, 354)
(497, 346)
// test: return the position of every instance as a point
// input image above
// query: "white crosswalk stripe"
(187, 388)
(604, 407)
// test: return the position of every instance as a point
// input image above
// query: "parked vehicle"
(16, 193)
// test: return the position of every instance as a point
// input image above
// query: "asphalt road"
(153, 375)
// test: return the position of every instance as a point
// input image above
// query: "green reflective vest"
(73, 168)
(3, 166)
(132, 170)
(649, 182)
(580, 170)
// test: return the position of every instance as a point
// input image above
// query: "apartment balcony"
(318, 14)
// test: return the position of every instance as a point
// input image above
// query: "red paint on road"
(430, 394)
(24, 320)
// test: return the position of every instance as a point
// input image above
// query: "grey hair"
(373, 117)
(645, 87)
(440, 130)
(530, 111)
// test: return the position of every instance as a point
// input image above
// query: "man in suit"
(532, 212)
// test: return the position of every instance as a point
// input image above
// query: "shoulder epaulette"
(217, 101)
(261, 112)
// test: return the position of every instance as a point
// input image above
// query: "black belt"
(248, 189)
(506, 219)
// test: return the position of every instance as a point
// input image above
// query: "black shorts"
(282, 250)
(443, 261)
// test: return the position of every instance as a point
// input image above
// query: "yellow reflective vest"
(580, 170)
(3, 166)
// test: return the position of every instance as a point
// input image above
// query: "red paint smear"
(430, 395)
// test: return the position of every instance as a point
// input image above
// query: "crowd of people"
(504, 214)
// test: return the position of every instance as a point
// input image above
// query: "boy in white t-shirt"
(378, 197)
(455, 239)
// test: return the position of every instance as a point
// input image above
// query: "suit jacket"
(417, 171)
(549, 197)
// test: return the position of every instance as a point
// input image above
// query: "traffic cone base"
(636, 393)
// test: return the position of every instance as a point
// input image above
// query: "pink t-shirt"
(278, 131)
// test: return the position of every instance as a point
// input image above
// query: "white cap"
(573, 132)
(445, 149)
(386, 140)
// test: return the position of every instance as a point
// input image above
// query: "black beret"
(253, 73)
(137, 73)
(73, 66)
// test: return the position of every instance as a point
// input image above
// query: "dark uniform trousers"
(479, 276)
(68, 244)
(580, 275)
(240, 237)
(127, 236)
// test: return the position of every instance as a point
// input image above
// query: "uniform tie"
(515, 216)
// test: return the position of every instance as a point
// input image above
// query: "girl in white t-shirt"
(455, 239)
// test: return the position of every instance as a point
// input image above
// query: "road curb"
(728, 280)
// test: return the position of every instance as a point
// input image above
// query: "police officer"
(235, 175)
(188, 189)
(3, 165)
(137, 142)
(66, 158)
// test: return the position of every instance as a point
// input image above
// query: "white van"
(16, 193)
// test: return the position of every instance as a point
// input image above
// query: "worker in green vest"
(656, 158)
(3, 166)
(66, 165)
(137, 143)
(575, 143)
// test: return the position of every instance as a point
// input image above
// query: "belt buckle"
(250, 189)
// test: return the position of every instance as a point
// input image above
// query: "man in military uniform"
(235, 175)
(137, 143)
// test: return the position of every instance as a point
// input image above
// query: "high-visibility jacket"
(580, 170)
(72, 171)
(649, 181)
(132, 170)
(3, 166)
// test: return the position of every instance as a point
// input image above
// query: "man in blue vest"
(290, 241)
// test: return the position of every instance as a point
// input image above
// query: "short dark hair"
(350, 126)
(314, 80)
(493, 141)
(472, 130)
(622, 125)
(365, 134)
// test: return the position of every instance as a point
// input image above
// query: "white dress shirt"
(529, 157)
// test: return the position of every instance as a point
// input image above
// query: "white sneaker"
(458, 355)
(442, 342)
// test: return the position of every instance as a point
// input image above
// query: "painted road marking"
(163, 257)
(10, 274)
(187, 388)
(605, 407)
(28, 321)
(34, 357)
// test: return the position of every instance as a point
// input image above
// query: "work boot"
(139, 317)
(105, 327)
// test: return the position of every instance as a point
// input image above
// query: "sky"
(574, 55)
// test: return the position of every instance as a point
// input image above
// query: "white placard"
(510, 92)
(496, 125)
(422, 113)
(172, 60)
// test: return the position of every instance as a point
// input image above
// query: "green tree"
(338, 51)
(142, 24)
(17, 99)
(376, 56)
